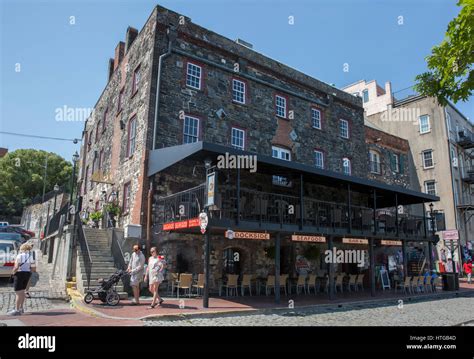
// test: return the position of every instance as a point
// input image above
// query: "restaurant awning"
(163, 158)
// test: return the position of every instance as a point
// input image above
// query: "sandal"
(152, 306)
(27, 295)
(161, 301)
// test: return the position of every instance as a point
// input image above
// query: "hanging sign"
(450, 234)
(386, 242)
(355, 240)
(203, 220)
(251, 235)
(302, 238)
(211, 188)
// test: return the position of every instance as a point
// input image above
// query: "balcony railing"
(468, 175)
(270, 209)
(465, 139)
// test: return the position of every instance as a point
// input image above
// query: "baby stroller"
(106, 290)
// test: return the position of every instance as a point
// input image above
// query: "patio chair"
(352, 282)
(270, 284)
(185, 282)
(405, 285)
(231, 284)
(246, 283)
(339, 282)
(360, 282)
(301, 283)
(311, 283)
(283, 282)
(415, 285)
(437, 282)
(172, 279)
(199, 284)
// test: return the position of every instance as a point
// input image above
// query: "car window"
(4, 247)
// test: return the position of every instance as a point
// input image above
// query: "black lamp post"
(207, 245)
(75, 159)
(433, 234)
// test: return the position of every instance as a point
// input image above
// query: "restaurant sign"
(302, 238)
(249, 235)
(194, 222)
(451, 234)
(355, 240)
(386, 242)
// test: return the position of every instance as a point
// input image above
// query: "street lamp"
(56, 190)
(433, 233)
(75, 159)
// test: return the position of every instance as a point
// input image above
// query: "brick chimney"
(130, 37)
(119, 52)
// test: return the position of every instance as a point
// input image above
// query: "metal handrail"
(85, 252)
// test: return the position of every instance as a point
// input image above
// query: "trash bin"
(450, 281)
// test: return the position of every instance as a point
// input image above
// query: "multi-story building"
(441, 142)
(288, 152)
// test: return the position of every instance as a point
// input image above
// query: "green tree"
(21, 178)
(451, 74)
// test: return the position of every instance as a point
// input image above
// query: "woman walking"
(24, 265)
(154, 275)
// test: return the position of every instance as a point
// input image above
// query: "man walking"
(136, 270)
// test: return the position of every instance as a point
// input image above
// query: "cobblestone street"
(44, 296)
(446, 312)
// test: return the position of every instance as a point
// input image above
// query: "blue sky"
(66, 65)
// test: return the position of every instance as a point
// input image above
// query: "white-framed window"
(238, 91)
(190, 129)
(424, 122)
(238, 138)
(282, 154)
(395, 162)
(193, 76)
(346, 166)
(374, 162)
(430, 187)
(136, 80)
(319, 158)
(280, 106)
(365, 95)
(344, 128)
(316, 118)
(427, 157)
(132, 132)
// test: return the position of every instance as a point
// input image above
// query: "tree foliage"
(21, 178)
(450, 64)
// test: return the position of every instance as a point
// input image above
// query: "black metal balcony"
(258, 210)
(468, 175)
(465, 139)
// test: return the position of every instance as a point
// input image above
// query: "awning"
(163, 158)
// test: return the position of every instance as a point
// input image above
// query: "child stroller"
(106, 290)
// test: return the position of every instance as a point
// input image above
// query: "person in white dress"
(135, 268)
(154, 275)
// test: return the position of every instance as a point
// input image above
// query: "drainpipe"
(171, 37)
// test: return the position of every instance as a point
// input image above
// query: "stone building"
(180, 96)
(441, 143)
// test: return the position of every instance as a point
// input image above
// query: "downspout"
(171, 36)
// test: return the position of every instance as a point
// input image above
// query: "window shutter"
(400, 159)
(392, 162)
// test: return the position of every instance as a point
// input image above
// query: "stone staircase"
(102, 261)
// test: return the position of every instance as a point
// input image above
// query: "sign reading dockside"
(246, 235)
(355, 240)
(302, 238)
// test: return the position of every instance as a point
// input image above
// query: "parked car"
(4, 224)
(30, 233)
(8, 251)
(11, 229)
(11, 236)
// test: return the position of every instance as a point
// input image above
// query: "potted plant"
(96, 217)
(113, 211)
